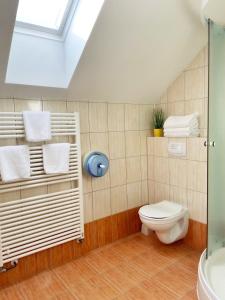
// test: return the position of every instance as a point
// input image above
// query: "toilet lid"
(163, 209)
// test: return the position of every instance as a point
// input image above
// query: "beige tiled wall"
(189, 92)
(120, 131)
(183, 180)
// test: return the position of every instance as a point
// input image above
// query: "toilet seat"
(161, 210)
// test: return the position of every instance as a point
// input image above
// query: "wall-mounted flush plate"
(177, 148)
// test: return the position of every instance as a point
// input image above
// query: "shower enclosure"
(216, 135)
(211, 280)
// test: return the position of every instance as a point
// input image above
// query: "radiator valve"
(13, 264)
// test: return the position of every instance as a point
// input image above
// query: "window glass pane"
(45, 13)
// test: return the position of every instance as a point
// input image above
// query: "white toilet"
(169, 220)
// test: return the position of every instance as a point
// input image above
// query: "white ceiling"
(136, 49)
(215, 10)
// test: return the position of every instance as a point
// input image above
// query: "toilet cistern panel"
(177, 148)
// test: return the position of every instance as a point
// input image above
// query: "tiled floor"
(135, 268)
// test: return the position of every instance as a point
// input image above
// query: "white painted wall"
(215, 10)
(78, 34)
(137, 49)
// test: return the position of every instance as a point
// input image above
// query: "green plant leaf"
(158, 118)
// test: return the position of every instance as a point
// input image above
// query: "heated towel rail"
(29, 225)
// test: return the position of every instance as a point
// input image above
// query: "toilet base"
(175, 233)
(145, 230)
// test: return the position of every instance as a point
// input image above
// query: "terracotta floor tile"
(157, 291)
(156, 258)
(87, 294)
(64, 296)
(105, 288)
(103, 248)
(149, 241)
(95, 288)
(190, 261)
(79, 288)
(192, 295)
(111, 256)
(118, 280)
(147, 266)
(78, 268)
(97, 262)
(127, 251)
(73, 272)
(137, 267)
(133, 274)
(123, 251)
(150, 262)
(42, 286)
(136, 246)
(173, 251)
(12, 293)
(135, 293)
(177, 279)
(84, 269)
(122, 297)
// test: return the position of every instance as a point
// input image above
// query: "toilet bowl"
(169, 220)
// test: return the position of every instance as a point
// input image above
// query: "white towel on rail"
(14, 163)
(182, 121)
(56, 158)
(37, 125)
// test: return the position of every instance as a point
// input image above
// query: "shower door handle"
(210, 144)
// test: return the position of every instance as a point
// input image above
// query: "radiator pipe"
(14, 263)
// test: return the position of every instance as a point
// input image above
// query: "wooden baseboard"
(196, 237)
(97, 234)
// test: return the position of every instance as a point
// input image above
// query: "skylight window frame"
(32, 28)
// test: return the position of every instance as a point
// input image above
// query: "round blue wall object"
(96, 164)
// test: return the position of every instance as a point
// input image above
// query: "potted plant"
(158, 119)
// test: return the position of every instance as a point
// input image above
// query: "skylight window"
(43, 15)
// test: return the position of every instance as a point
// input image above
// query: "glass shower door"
(216, 138)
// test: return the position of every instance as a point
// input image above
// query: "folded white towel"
(14, 163)
(56, 158)
(182, 121)
(183, 133)
(184, 129)
(37, 125)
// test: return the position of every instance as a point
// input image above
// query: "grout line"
(109, 170)
(125, 152)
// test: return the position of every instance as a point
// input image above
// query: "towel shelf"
(29, 225)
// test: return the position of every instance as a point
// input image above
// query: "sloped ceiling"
(136, 49)
(215, 10)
